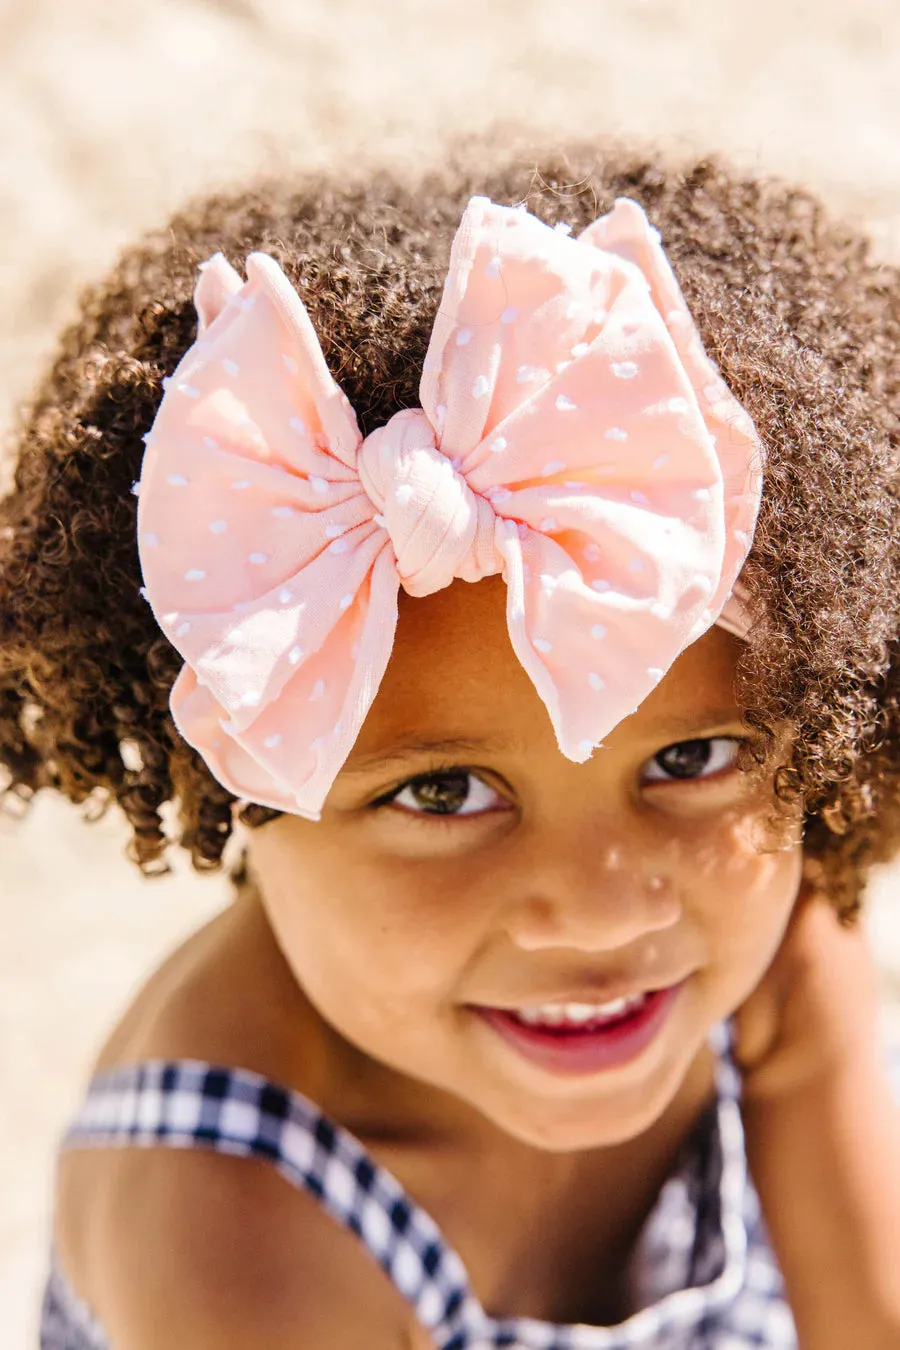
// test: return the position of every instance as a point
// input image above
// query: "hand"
(815, 1008)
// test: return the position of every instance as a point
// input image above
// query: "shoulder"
(194, 1249)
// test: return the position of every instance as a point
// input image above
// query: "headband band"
(573, 436)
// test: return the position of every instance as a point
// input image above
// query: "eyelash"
(460, 770)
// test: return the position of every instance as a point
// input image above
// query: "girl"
(540, 1017)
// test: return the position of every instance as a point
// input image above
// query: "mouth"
(583, 1038)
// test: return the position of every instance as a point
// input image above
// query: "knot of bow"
(573, 435)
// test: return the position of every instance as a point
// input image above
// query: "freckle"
(613, 858)
(655, 884)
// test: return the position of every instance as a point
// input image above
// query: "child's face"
(541, 882)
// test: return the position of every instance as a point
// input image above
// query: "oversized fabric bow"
(573, 436)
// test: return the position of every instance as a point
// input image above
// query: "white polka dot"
(150, 540)
(574, 309)
(295, 655)
(542, 645)
(403, 493)
(282, 512)
(585, 747)
(742, 538)
(552, 466)
(284, 596)
(230, 367)
(561, 366)
(251, 699)
(240, 605)
(581, 349)
(148, 438)
(240, 483)
(318, 691)
(136, 489)
(678, 405)
(526, 373)
(177, 480)
(624, 370)
(182, 629)
(334, 531)
(522, 529)
(318, 485)
(345, 602)
(190, 390)
(713, 392)
(338, 728)
(297, 424)
(601, 585)
(616, 434)
(245, 302)
(195, 574)
(211, 443)
(548, 582)
(655, 673)
(598, 630)
(497, 495)
(509, 315)
(463, 336)
(456, 463)
(654, 234)
(660, 611)
(676, 316)
(660, 461)
(272, 741)
(258, 558)
(636, 564)
(595, 681)
(498, 445)
(562, 228)
(380, 520)
(592, 553)
(142, 592)
(640, 497)
(338, 546)
(441, 416)
(701, 494)
(565, 404)
(289, 363)
(218, 526)
(166, 381)
(549, 523)
(702, 583)
(493, 267)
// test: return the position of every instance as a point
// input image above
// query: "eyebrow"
(438, 747)
(690, 726)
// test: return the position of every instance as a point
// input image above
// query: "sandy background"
(111, 114)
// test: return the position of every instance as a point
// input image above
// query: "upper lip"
(594, 994)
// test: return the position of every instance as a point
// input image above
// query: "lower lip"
(581, 1052)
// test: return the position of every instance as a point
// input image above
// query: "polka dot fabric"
(573, 436)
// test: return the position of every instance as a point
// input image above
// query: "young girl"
(540, 1017)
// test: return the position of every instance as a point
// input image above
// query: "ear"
(217, 282)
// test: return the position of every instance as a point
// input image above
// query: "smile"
(582, 1038)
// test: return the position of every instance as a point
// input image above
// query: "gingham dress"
(702, 1275)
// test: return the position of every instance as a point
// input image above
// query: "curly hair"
(804, 324)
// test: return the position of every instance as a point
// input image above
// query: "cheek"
(382, 941)
(741, 891)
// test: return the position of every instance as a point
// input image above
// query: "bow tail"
(290, 754)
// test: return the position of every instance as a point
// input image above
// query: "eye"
(689, 760)
(455, 792)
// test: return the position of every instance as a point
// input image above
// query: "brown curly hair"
(803, 323)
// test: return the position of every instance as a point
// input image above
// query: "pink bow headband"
(573, 436)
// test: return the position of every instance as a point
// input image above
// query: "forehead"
(453, 673)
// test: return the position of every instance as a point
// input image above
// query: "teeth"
(577, 1014)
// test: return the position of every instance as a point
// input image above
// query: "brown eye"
(692, 759)
(454, 793)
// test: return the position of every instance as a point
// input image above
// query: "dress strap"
(193, 1104)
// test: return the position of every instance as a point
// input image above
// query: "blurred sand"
(111, 114)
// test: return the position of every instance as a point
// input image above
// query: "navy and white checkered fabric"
(703, 1275)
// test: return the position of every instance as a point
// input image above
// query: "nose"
(592, 900)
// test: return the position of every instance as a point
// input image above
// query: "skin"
(397, 924)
